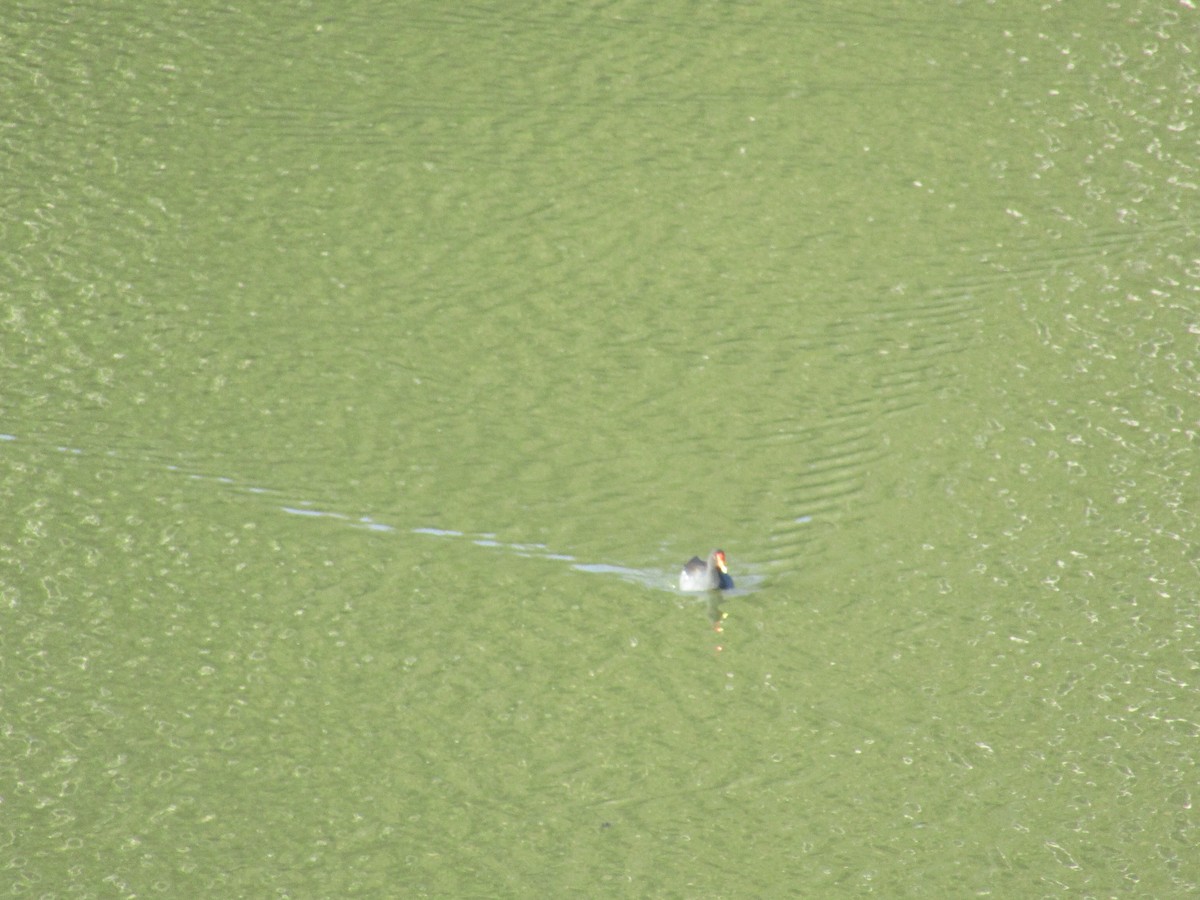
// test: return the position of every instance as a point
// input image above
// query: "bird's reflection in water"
(715, 615)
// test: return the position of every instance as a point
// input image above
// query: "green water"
(369, 373)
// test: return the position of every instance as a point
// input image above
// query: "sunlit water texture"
(370, 371)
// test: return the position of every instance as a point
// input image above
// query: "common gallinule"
(698, 575)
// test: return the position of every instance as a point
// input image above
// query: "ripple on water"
(879, 360)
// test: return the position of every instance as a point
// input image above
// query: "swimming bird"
(698, 575)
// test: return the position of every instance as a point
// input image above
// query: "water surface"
(369, 374)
